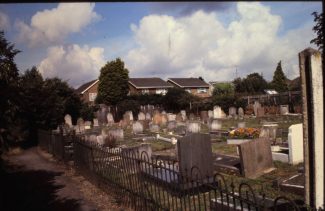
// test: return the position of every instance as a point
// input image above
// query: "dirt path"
(33, 180)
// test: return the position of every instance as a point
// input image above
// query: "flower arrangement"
(240, 133)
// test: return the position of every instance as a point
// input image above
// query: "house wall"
(194, 91)
(85, 95)
(133, 90)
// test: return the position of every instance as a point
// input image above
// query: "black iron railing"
(153, 183)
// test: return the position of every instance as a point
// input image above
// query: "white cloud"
(73, 63)
(200, 45)
(4, 21)
(52, 26)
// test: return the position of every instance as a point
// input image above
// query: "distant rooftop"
(85, 86)
(149, 83)
(188, 82)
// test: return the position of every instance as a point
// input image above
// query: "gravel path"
(33, 180)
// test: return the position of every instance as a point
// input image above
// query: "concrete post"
(310, 64)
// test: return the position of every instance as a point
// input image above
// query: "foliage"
(279, 79)
(226, 101)
(245, 133)
(87, 111)
(9, 89)
(319, 30)
(113, 83)
(223, 89)
(254, 83)
(145, 99)
(177, 99)
(128, 105)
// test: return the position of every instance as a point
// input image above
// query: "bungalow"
(148, 86)
(195, 86)
(88, 91)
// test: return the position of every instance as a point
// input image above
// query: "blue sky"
(172, 39)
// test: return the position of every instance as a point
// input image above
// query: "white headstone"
(171, 117)
(284, 109)
(110, 119)
(148, 116)
(240, 112)
(232, 111)
(183, 113)
(295, 142)
(100, 140)
(193, 127)
(141, 116)
(210, 114)
(215, 125)
(87, 125)
(67, 119)
(117, 133)
(154, 128)
(256, 106)
(95, 122)
(137, 127)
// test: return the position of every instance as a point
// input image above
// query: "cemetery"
(180, 154)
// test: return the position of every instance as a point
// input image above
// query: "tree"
(113, 83)
(8, 90)
(177, 99)
(279, 79)
(254, 83)
(319, 30)
(223, 89)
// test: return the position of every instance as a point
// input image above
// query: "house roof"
(146, 83)
(188, 82)
(86, 86)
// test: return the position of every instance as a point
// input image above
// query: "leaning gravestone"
(255, 158)
(141, 116)
(195, 150)
(137, 127)
(67, 119)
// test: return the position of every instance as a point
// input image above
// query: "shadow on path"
(31, 190)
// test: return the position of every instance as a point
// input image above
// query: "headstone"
(157, 119)
(312, 89)
(87, 125)
(217, 112)
(171, 125)
(128, 116)
(81, 125)
(256, 106)
(137, 127)
(183, 114)
(154, 128)
(210, 114)
(191, 117)
(163, 112)
(215, 125)
(67, 119)
(95, 122)
(148, 116)
(171, 117)
(204, 116)
(117, 133)
(93, 138)
(163, 119)
(141, 116)
(100, 140)
(269, 131)
(179, 117)
(180, 130)
(143, 152)
(110, 119)
(260, 112)
(232, 111)
(284, 109)
(240, 112)
(195, 150)
(295, 142)
(255, 158)
(193, 127)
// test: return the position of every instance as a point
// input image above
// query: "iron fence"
(156, 183)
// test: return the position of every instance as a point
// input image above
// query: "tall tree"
(319, 30)
(279, 79)
(113, 83)
(8, 87)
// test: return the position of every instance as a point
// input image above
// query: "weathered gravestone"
(179, 117)
(148, 116)
(191, 117)
(171, 117)
(87, 125)
(193, 127)
(110, 119)
(171, 125)
(117, 133)
(256, 106)
(204, 116)
(128, 117)
(268, 131)
(255, 158)
(232, 111)
(295, 142)
(195, 150)
(81, 125)
(67, 120)
(95, 122)
(141, 116)
(241, 112)
(284, 109)
(157, 119)
(154, 128)
(215, 125)
(210, 114)
(137, 127)
(183, 114)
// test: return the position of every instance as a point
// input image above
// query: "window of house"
(201, 90)
(145, 91)
(92, 96)
(161, 91)
(188, 90)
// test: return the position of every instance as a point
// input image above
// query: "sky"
(215, 40)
